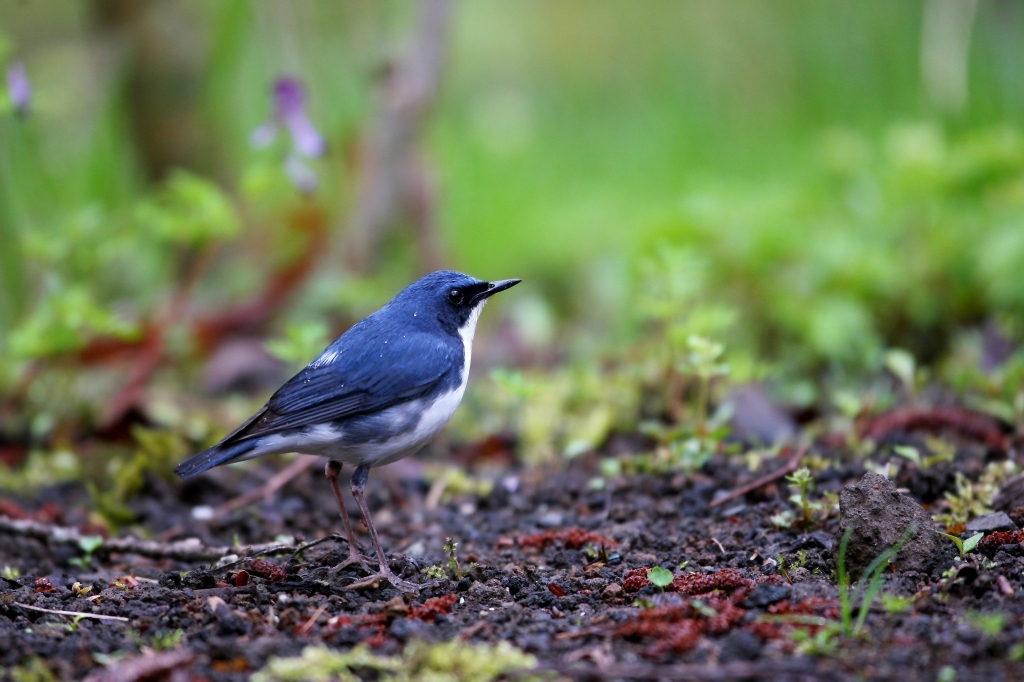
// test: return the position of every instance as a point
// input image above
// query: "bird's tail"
(222, 453)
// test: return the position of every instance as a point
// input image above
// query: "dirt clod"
(879, 516)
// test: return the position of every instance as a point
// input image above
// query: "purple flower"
(18, 88)
(290, 113)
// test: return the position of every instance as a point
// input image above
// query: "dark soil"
(551, 564)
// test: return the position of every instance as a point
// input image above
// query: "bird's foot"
(354, 558)
(373, 581)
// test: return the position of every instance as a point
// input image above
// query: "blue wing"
(365, 370)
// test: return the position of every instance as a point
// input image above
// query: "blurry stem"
(13, 289)
(395, 178)
(703, 391)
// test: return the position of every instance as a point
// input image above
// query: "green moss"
(452, 661)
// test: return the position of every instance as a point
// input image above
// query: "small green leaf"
(90, 543)
(902, 365)
(908, 452)
(971, 542)
(660, 577)
(955, 540)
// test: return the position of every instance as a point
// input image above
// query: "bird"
(380, 392)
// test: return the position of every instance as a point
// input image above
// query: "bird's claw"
(354, 558)
(373, 581)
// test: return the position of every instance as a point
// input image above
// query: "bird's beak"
(495, 287)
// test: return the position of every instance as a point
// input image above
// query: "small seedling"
(822, 643)
(869, 584)
(783, 571)
(963, 546)
(436, 572)
(660, 577)
(453, 563)
(908, 452)
(79, 590)
(165, 641)
(989, 624)
(895, 605)
(702, 608)
(804, 482)
(784, 519)
(73, 625)
(88, 544)
(11, 572)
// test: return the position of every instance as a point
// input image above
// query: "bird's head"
(452, 298)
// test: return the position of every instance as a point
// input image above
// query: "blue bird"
(379, 393)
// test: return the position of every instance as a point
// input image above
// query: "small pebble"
(611, 592)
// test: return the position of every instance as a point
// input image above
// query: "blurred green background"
(811, 183)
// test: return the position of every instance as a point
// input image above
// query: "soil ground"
(550, 563)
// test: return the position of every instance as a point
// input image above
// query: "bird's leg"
(332, 470)
(358, 482)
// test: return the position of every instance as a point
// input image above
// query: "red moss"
(678, 628)
(635, 580)
(728, 616)
(991, 543)
(436, 606)
(692, 584)
(12, 510)
(269, 570)
(700, 583)
(570, 538)
(47, 513)
(808, 606)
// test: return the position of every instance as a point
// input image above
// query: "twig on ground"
(308, 625)
(789, 468)
(190, 549)
(309, 545)
(77, 614)
(273, 484)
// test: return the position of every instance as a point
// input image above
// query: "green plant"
(452, 565)
(704, 359)
(79, 590)
(989, 623)
(969, 501)
(963, 546)
(166, 640)
(784, 519)
(868, 586)
(660, 577)
(301, 343)
(822, 643)
(419, 660)
(903, 366)
(804, 482)
(893, 604)
(11, 572)
(88, 544)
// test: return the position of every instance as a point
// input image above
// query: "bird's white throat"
(467, 331)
